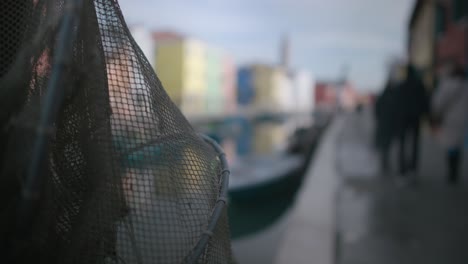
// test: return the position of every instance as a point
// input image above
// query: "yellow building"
(181, 67)
(267, 83)
(421, 39)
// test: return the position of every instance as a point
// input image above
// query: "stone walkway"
(380, 223)
(310, 236)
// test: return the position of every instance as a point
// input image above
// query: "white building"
(144, 39)
(304, 94)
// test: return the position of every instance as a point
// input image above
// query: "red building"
(451, 31)
(326, 97)
(166, 36)
(438, 32)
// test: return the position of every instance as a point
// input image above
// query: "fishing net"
(97, 164)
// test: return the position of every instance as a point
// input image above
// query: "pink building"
(229, 85)
(325, 96)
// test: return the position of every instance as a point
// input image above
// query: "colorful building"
(451, 31)
(267, 88)
(199, 78)
(214, 78)
(438, 34)
(348, 97)
(266, 83)
(181, 67)
(304, 95)
(229, 85)
(421, 43)
(326, 96)
(285, 94)
(245, 86)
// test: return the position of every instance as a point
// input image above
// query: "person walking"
(450, 109)
(386, 115)
(413, 102)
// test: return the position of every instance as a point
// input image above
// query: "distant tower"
(344, 73)
(284, 52)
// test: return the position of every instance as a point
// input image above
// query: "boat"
(256, 177)
(261, 177)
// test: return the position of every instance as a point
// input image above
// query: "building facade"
(421, 39)
(451, 31)
(438, 32)
(181, 67)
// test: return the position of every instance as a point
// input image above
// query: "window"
(460, 8)
(440, 23)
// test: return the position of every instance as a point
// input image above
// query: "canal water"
(258, 224)
(260, 246)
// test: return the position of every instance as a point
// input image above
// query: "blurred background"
(330, 115)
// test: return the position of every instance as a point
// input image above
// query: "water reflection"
(268, 160)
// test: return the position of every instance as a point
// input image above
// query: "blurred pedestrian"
(413, 104)
(450, 109)
(386, 115)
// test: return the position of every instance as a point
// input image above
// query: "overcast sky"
(325, 35)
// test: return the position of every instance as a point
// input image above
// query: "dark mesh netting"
(97, 164)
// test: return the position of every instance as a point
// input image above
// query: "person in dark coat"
(386, 115)
(413, 104)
